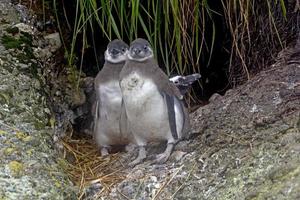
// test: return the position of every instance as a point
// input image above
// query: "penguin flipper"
(185, 117)
(190, 79)
(95, 113)
(171, 115)
(123, 123)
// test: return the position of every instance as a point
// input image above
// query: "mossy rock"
(12, 30)
(23, 43)
(11, 42)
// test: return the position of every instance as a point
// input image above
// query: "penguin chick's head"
(140, 50)
(116, 51)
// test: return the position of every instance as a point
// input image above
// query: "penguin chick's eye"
(145, 47)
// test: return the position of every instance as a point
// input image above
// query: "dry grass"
(259, 30)
(85, 166)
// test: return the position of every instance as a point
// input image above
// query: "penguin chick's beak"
(136, 51)
(114, 53)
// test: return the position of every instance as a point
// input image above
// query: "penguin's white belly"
(107, 130)
(146, 109)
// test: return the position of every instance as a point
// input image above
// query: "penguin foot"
(140, 158)
(130, 147)
(163, 157)
(135, 162)
(104, 151)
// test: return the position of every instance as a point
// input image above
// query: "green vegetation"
(10, 42)
(183, 33)
(23, 43)
(174, 28)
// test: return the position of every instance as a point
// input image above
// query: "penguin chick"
(184, 83)
(152, 108)
(109, 97)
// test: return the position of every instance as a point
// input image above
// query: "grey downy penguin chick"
(184, 83)
(86, 122)
(152, 108)
(109, 98)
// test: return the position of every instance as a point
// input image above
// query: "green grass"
(172, 27)
(178, 31)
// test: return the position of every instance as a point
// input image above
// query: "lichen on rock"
(29, 166)
(16, 168)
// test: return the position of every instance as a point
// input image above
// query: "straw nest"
(85, 166)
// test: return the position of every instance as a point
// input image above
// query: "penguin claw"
(161, 158)
(135, 162)
(140, 158)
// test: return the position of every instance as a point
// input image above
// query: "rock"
(78, 98)
(30, 168)
(23, 66)
(16, 168)
(24, 28)
(23, 12)
(85, 106)
(54, 41)
(42, 54)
